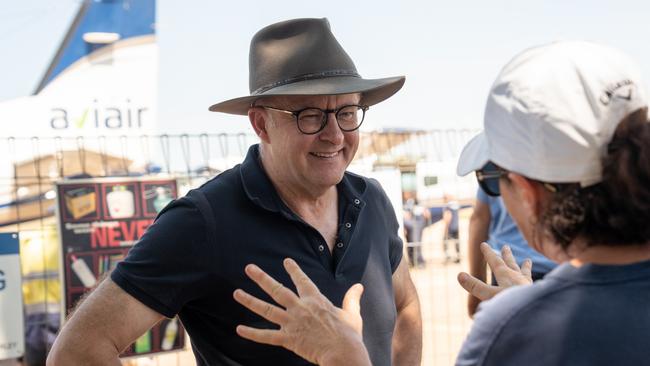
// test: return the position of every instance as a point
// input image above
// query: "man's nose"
(332, 132)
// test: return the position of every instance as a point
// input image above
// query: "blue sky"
(450, 51)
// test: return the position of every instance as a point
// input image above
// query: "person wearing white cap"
(567, 145)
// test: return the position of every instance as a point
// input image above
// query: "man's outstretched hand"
(310, 325)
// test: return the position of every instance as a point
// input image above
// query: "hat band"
(319, 75)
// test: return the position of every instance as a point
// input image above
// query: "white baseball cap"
(552, 111)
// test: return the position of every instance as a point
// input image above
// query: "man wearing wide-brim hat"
(290, 198)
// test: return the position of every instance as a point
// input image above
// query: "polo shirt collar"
(353, 187)
(256, 183)
(260, 190)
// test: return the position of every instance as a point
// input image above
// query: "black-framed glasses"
(488, 178)
(312, 120)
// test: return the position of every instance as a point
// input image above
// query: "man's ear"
(259, 119)
(528, 192)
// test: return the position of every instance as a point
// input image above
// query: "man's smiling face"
(311, 162)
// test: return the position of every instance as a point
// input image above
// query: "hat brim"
(474, 156)
(373, 91)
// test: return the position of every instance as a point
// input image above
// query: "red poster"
(99, 221)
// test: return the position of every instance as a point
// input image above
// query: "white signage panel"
(12, 333)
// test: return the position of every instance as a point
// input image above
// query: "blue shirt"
(192, 258)
(588, 316)
(503, 230)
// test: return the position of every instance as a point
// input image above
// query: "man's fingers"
(266, 336)
(352, 298)
(509, 258)
(527, 269)
(476, 287)
(303, 284)
(267, 311)
(279, 293)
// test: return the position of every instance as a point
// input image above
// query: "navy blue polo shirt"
(192, 258)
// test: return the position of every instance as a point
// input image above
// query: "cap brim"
(474, 156)
(373, 91)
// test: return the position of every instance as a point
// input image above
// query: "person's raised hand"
(505, 270)
(310, 325)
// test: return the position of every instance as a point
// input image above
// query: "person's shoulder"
(519, 298)
(482, 196)
(223, 188)
(496, 316)
(221, 185)
(514, 306)
(516, 295)
(225, 180)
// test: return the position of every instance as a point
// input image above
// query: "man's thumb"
(352, 298)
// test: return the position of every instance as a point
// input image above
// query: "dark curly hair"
(616, 211)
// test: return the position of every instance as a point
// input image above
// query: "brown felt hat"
(302, 57)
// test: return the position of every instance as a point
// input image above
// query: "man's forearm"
(407, 339)
(95, 335)
(76, 358)
(70, 349)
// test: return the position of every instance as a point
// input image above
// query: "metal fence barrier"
(31, 166)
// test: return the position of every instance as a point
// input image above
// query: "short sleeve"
(395, 244)
(167, 267)
(395, 250)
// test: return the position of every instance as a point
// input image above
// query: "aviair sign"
(123, 115)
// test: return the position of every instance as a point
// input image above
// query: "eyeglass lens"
(313, 120)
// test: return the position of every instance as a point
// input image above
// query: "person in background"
(451, 237)
(415, 221)
(491, 223)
